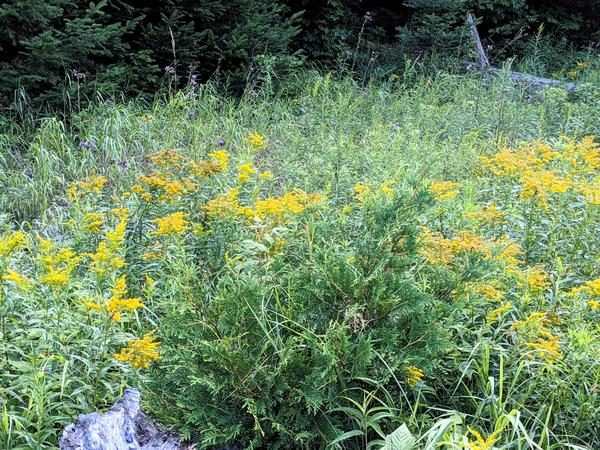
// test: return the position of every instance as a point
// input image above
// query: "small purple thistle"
(221, 143)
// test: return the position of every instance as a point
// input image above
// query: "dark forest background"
(50, 49)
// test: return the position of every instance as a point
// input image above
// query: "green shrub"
(263, 351)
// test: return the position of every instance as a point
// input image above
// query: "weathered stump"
(123, 427)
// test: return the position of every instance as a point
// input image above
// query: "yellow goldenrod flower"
(92, 184)
(92, 222)
(496, 313)
(169, 158)
(487, 214)
(444, 190)
(116, 238)
(265, 175)
(140, 352)
(175, 223)
(572, 73)
(56, 277)
(435, 248)
(20, 280)
(12, 242)
(255, 141)
(534, 279)
(221, 157)
(246, 170)
(480, 443)
(489, 291)
(414, 375)
(121, 213)
(591, 288)
(583, 64)
(362, 192)
(507, 251)
(469, 242)
(387, 189)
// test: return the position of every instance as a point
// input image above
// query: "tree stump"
(123, 427)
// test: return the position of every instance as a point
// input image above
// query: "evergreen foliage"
(275, 346)
(53, 52)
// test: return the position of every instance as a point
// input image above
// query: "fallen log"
(531, 81)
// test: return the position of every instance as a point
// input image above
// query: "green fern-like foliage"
(268, 347)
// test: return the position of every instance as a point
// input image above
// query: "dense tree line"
(53, 48)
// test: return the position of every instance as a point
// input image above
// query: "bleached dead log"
(123, 427)
(530, 81)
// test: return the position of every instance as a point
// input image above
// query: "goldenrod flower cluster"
(444, 190)
(93, 185)
(175, 223)
(12, 242)
(535, 333)
(480, 443)
(414, 375)
(57, 264)
(108, 256)
(542, 170)
(255, 141)
(140, 352)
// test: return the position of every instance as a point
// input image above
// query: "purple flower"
(191, 115)
(194, 80)
(221, 142)
(86, 144)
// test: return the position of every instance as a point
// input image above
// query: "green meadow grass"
(325, 286)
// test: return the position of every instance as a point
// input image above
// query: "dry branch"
(531, 81)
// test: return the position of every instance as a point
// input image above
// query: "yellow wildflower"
(265, 175)
(547, 347)
(480, 443)
(221, 157)
(362, 192)
(56, 277)
(534, 279)
(435, 248)
(507, 251)
(583, 64)
(175, 223)
(245, 171)
(224, 205)
(414, 375)
(93, 306)
(468, 242)
(169, 158)
(20, 280)
(489, 214)
(594, 304)
(488, 290)
(572, 73)
(140, 352)
(208, 167)
(255, 141)
(496, 313)
(12, 242)
(121, 213)
(116, 237)
(93, 184)
(92, 222)
(387, 189)
(591, 288)
(444, 190)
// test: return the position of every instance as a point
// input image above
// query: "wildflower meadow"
(407, 263)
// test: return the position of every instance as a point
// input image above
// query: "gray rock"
(123, 427)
